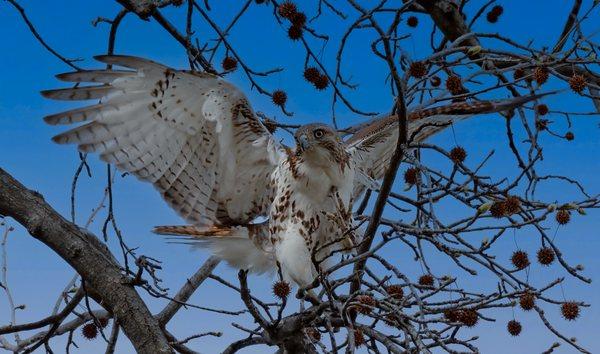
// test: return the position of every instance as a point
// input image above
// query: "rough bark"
(448, 18)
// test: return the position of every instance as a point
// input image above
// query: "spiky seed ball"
(417, 69)
(89, 331)
(545, 256)
(498, 209)
(411, 176)
(527, 301)
(311, 74)
(412, 22)
(298, 19)
(468, 317)
(492, 18)
(366, 304)
(321, 82)
(395, 291)
(454, 85)
(359, 338)
(426, 280)
(541, 124)
(452, 315)
(518, 74)
(458, 154)
(313, 333)
(279, 97)
(494, 14)
(366, 300)
(514, 328)
(281, 289)
(512, 205)
(570, 136)
(391, 320)
(520, 259)
(436, 81)
(229, 63)
(577, 83)
(103, 322)
(570, 310)
(497, 10)
(563, 217)
(287, 9)
(541, 109)
(540, 75)
(295, 32)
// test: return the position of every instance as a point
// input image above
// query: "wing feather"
(193, 135)
(97, 76)
(373, 145)
(79, 93)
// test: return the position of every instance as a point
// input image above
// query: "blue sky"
(37, 275)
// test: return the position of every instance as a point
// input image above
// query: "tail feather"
(193, 231)
(241, 246)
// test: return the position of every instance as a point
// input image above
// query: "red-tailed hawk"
(195, 137)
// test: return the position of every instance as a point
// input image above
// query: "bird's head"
(319, 144)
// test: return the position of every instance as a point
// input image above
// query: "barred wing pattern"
(192, 135)
(372, 146)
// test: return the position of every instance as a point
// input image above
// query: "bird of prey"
(257, 203)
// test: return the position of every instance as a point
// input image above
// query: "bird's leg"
(342, 217)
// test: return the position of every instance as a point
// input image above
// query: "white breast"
(298, 217)
(317, 182)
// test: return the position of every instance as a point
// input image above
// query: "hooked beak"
(303, 142)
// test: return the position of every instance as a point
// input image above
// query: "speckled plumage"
(255, 202)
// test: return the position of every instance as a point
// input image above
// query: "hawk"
(255, 202)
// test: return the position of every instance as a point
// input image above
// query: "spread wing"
(192, 135)
(373, 145)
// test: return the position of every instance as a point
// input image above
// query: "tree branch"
(89, 257)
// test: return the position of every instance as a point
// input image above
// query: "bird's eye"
(319, 133)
